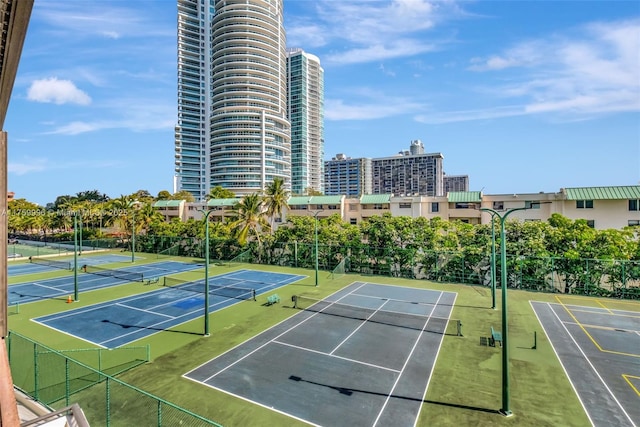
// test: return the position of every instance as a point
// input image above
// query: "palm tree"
(248, 218)
(275, 199)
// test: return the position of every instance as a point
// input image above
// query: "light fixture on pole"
(315, 216)
(206, 272)
(505, 410)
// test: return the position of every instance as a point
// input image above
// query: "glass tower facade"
(305, 95)
(244, 132)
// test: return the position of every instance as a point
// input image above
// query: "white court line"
(358, 328)
(396, 300)
(143, 310)
(566, 373)
(275, 338)
(334, 356)
(40, 285)
(415, 344)
(593, 367)
(435, 359)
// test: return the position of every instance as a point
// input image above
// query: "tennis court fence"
(57, 379)
(416, 321)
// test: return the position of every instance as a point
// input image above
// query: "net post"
(294, 298)
(253, 294)
(459, 326)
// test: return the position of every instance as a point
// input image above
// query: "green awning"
(314, 200)
(375, 199)
(464, 197)
(604, 193)
(167, 203)
(222, 202)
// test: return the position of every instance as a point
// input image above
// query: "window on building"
(462, 206)
(333, 207)
(634, 205)
(405, 205)
(498, 206)
(584, 204)
(353, 206)
(634, 222)
(435, 207)
(353, 221)
(532, 204)
(591, 223)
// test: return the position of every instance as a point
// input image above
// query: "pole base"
(505, 412)
(206, 335)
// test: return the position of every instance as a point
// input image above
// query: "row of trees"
(253, 219)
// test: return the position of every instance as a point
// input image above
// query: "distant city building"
(305, 100)
(411, 172)
(10, 196)
(456, 183)
(232, 125)
(408, 174)
(346, 176)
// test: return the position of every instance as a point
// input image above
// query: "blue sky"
(521, 96)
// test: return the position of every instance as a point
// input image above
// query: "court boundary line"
(310, 350)
(591, 365)
(593, 340)
(205, 381)
(362, 323)
(435, 360)
(131, 298)
(406, 362)
(626, 378)
(566, 373)
(273, 339)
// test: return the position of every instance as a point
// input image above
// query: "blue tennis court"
(122, 321)
(29, 268)
(61, 287)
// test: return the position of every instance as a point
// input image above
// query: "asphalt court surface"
(116, 323)
(362, 357)
(29, 268)
(599, 348)
(62, 287)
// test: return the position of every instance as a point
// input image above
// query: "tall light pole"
(133, 230)
(75, 256)
(493, 257)
(505, 410)
(206, 272)
(315, 216)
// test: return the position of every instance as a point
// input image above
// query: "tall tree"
(275, 199)
(249, 219)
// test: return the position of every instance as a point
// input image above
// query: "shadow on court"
(149, 328)
(349, 391)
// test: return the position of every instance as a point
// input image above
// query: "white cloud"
(57, 91)
(28, 166)
(34, 165)
(368, 31)
(368, 109)
(590, 70)
(137, 115)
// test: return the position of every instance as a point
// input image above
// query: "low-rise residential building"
(602, 207)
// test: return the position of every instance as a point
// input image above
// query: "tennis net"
(198, 286)
(65, 265)
(420, 322)
(129, 276)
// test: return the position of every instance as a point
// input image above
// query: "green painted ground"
(465, 388)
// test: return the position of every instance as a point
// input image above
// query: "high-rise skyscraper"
(232, 127)
(305, 99)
